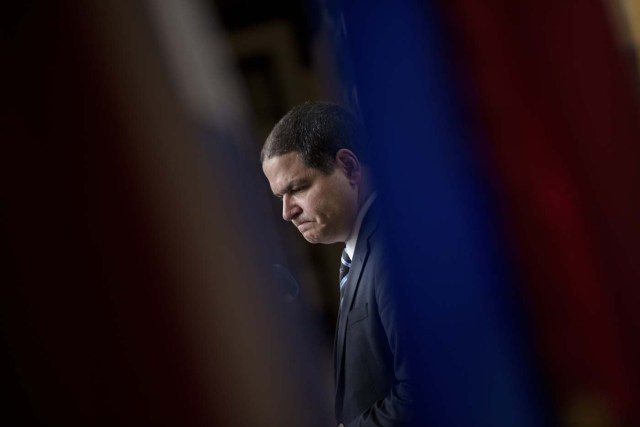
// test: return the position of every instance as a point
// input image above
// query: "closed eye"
(293, 188)
(297, 189)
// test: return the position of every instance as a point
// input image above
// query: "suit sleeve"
(397, 407)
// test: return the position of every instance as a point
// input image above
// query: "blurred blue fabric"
(476, 363)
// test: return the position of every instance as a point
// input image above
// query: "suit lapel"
(360, 257)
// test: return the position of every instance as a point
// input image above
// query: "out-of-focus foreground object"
(136, 288)
(625, 18)
(506, 139)
(559, 108)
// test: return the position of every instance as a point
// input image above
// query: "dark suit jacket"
(372, 376)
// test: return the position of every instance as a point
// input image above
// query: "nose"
(290, 210)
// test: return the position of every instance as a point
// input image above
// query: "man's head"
(310, 162)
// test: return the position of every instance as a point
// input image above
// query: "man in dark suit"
(311, 163)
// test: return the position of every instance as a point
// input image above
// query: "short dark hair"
(316, 130)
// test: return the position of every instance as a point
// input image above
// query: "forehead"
(282, 170)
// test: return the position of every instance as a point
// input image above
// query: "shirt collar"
(353, 237)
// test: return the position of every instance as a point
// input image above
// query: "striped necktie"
(345, 265)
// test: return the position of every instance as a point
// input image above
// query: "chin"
(323, 240)
(311, 239)
(314, 238)
(320, 235)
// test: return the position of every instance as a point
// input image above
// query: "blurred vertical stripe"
(557, 103)
(506, 137)
(137, 291)
(475, 363)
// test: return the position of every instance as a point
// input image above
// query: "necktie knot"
(345, 265)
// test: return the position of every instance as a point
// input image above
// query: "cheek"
(334, 210)
(327, 205)
(311, 204)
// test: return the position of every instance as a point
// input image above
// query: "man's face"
(322, 207)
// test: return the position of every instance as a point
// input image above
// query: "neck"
(355, 231)
(365, 189)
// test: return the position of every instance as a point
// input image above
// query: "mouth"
(300, 225)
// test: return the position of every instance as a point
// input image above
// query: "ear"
(348, 162)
